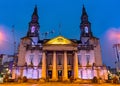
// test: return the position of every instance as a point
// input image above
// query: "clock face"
(32, 29)
(86, 29)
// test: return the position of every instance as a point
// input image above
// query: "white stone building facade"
(59, 58)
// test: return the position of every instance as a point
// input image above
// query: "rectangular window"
(50, 62)
(50, 56)
(31, 59)
(79, 59)
(69, 59)
(59, 60)
(40, 59)
(88, 59)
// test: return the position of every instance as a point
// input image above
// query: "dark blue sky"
(103, 14)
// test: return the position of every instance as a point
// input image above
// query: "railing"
(33, 47)
(85, 47)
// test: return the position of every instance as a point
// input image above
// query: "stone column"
(44, 66)
(75, 65)
(65, 77)
(54, 73)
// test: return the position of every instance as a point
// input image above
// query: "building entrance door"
(59, 74)
(50, 74)
(69, 73)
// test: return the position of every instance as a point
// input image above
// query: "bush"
(71, 79)
(6, 78)
(24, 79)
(95, 79)
(19, 80)
(115, 80)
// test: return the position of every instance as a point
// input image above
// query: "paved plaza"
(55, 84)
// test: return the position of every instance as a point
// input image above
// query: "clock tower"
(85, 25)
(33, 30)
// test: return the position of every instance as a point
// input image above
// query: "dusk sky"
(104, 16)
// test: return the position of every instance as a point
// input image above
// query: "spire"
(84, 16)
(35, 15)
(35, 11)
(85, 25)
(84, 11)
(34, 26)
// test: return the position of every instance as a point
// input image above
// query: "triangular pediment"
(59, 40)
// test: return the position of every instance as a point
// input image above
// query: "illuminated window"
(86, 29)
(32, 29)
(33, 43)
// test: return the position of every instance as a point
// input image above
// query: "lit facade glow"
(1, 37)
(59, 40)
(60, 57)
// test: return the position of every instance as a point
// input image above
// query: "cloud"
(6, 42)
(108, 39)
(2, 34)
(113, 34)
